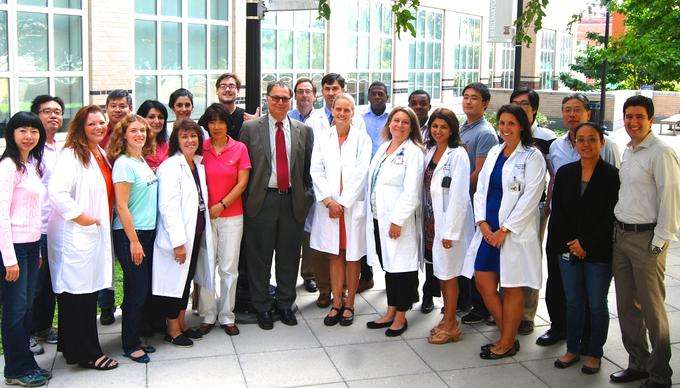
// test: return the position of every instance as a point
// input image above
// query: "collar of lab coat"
(444, 158)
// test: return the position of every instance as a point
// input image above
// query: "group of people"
(404, 189)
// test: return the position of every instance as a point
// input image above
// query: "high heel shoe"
(440, 336)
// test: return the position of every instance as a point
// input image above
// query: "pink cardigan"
(20, 202)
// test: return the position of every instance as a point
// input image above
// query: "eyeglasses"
(119, 107)
(48, 111)
(522, 103)
(569, 111)
(279, 99)
(304, 91)
(228, 86)
(587, 140)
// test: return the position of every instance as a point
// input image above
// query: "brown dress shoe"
(205, 328)
(230, 329)
(324, 300)
(364, 285)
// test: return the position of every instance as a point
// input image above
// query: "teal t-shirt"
(143, 200)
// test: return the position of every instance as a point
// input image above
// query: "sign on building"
(502, 15)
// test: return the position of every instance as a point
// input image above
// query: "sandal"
(332, 320)
(346, 321)
(441, 336)
(143, 359)
(105, 363)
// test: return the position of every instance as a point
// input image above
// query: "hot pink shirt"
(221, 173)
(159, 157)
(20, 199)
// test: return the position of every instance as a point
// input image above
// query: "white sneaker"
(35, 347)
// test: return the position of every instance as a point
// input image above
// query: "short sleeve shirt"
(143, 200)
(479, 137)
(221, 172)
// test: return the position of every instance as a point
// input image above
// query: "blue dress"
(488, 257)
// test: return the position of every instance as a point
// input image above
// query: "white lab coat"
(177, 216)
(80, 257)
(520, 254)
(397, 200)
(329, 166)
(452, 209)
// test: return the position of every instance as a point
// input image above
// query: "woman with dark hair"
(447, 215)
(157, 117)
(505, 250)
(79, 237)
(183, 229)
(227, 166)
(395, 178)
(579, 232)
(21, 192)
(182, 103)
(134, 225)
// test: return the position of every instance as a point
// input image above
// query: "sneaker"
(44, 373)
(473, 317)
(30, 380)
(52, 337)
(35, 347)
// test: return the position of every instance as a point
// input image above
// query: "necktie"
(330, 119)
(282, 180)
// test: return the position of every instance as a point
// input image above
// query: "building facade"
(82, 49)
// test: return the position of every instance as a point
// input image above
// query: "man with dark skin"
(419, 101)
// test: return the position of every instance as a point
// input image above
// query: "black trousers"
(556, 301)
(273, 229)
(401, 287)
(432, 286)
(78, 337)
(45, 300)
(366, 273)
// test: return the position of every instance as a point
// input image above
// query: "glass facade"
(547, 58)
(466, 47)
(425, 53)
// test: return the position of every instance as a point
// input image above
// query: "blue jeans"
(136, 285)
(17, 296)
(45, 301)
(586, 282)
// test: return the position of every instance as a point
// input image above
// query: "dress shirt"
(374, 127)
(562, 152)
(49, 160)
(650, 188)
(425, 133)
(296, 115)
(329, 114)
(272, 145)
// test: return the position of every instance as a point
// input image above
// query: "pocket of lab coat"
(80, 242)
(394, 174)
(359, 210)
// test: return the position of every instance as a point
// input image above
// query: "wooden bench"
(673, 123)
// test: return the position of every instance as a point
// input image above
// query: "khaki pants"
(640, 294)
(530, 294)
(316, 262)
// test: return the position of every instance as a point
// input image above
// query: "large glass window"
(547, 58)
(466, 48)
(507, 66)
(45, 57)
(565, 58)
(368, 47)
(293, 46)
(180, 43)
(425, 53)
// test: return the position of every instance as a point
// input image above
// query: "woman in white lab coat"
(79, 237)
(447, 215)
(184, 237)
(506, 249)
(393, 194)
(340, 160)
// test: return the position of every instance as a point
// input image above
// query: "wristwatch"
(656, 250)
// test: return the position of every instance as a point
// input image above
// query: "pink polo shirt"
(221, 173)
(159, 157)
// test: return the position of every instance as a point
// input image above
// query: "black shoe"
(473, 317)
(332, 320)
(310, 285)
(427, 306)
(566, 364)
(287, 317)
(550, 337)
(653, 384)
(181, 340)
(106, 318)
(347, 321)
(525, 328)
(376, 325)
(489, 355)
(628, 375)
(397, 332)
(193, 334)
(485, 348)
(586, 370)
(265, 320)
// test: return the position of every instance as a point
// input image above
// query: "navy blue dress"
(488, 257)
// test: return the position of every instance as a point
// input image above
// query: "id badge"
(515, 185)
(399, 159)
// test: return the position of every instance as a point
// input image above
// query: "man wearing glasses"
(227, 87)
(279, 196)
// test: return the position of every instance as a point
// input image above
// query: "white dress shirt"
(650, 188)
(562, 152)
(49, 161)
(272, 145)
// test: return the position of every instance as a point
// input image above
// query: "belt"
(277, 191)
(635, 227)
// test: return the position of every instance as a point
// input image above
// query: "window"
(368, 47)
(425, 53)
(547, 58)
(565, 55)
(507, 66)
(180, 43)
(467, 49)
(41, 52)
(293, 46)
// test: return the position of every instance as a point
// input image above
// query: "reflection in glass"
(197, 46)
(4, 61)
(268, 44)
(171, 7)
(318, 50)
(284, 51)
(302, 49)
(68, 49)
(197, 9)
(29, 88)
(4, 104)
(145, 45)
(145, 6)
(198, 87)
(145, 88)
(71, 90)
(169, 83)
(219, 9)
(219, 47)
(39, 3)
(32, 41)
(171, 46)
(74, 4)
